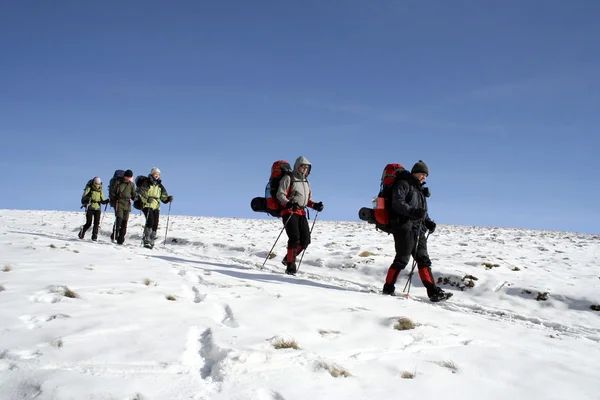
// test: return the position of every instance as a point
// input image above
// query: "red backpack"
(269, 203)
(380, 214)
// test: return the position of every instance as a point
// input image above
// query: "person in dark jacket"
(91, 200)
(295, 195)
(411, 221)
(121, 195)
(150, 193)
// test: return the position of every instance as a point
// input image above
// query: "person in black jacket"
(410, 220)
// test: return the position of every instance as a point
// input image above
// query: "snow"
(119, 337)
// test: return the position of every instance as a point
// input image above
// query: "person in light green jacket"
(150, 192)
(92, 199)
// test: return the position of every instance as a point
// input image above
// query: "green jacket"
(93, 197)
(151, 194)
(121, 195)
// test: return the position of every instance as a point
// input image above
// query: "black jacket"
(407, 196)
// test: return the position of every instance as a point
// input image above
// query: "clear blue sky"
(500, 98)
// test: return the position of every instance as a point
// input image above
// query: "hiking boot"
(81, 233)
(154, 236)
(389, 289)
(94, 239)
(112, 237)
(438, 295)
(291, 269)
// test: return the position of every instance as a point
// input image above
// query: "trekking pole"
(310, 234)
(114, 230)
(102, 218)
(276, 240)
(167, 229)
(409, 281)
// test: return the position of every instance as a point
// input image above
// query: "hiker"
(91, 200)
(150, 191)
(410, 219)
(122, 192)
(295, 195)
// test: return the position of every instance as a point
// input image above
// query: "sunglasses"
(304, 166)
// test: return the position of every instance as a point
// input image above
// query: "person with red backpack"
(295, 195)
(409, 220)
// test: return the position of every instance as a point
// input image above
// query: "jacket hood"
(301, 161)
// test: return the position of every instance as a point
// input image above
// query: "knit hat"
(97, 181)
(155, 171)
(129, 173)
(420, 167)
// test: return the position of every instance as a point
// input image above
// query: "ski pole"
(412, 270)
(310, 234)
(102, 218)
(276, 240)
(167, 229)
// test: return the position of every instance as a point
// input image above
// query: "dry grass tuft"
(58, 343)
(334, 370)
(366, 254)
(7, 268)
(70, 293)
(285, 344)
(147, 282)
(138, 396)
(516, 269)
(450, 365)
(407, 375)
(170, 297)
(53, 246)
(76, 251)
(272, 255)
(488, 265)
(404, 324)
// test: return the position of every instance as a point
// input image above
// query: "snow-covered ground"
(120, 337)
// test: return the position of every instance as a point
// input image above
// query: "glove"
(170, 199)
(292, 205)
(418, 213)
(430, 225)
(426, 192)
(105, 201)
(318, 206)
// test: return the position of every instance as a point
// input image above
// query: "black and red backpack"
(269, 203)
(380, 213)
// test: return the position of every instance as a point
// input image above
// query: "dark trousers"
(298, 234)
(120, 227)
(152, 217)
(404, 243)
(89, 215)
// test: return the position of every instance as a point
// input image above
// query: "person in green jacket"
(91, 200)
(121, 194)
(150, 193)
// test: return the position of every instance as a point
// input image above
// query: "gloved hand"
(292, 205)
(170, 199)
(318, 206)
(105, 201)
(426, 192)
(417, 213)
(430, 225)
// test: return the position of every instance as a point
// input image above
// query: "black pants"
(296, 227)
(89, 215)
(120, 227)
(152, 217)
(404, 243)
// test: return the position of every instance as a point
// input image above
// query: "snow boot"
(389, 289)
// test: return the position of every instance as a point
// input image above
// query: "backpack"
(269, 203)
(117, 176)
(380, 213)
(141, 183)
